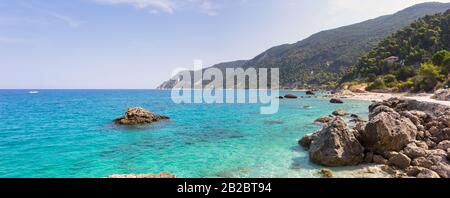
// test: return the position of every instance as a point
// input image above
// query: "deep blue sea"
(69, 133)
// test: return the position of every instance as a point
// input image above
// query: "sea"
(70, 134)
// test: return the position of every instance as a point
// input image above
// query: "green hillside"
(414, 58)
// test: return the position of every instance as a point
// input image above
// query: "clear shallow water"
(68, 133)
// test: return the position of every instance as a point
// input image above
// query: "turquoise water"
(68, 133)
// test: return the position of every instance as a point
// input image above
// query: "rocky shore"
(410, 138)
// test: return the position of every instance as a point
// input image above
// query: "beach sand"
(371, 96)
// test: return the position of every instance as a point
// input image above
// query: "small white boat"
(33, 92)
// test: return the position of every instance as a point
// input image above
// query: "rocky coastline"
(408, 138)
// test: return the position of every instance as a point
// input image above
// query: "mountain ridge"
(324, 57)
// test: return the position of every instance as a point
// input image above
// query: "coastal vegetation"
(415, 58)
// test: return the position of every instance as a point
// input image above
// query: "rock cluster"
(412, 138)
(139, 116)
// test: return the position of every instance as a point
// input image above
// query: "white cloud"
(164, 5)
(167, 6)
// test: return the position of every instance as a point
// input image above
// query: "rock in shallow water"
(340, 112)
(323, 120)
(291, 96)
(139, 116)
(336, 146)
(336, 101)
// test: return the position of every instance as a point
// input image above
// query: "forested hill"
(323, 57)
(169, 84)
(417, 56)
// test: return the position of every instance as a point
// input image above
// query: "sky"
(137, 44)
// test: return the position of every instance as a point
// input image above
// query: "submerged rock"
(143, 176)
(400, 160)
(139, 116)
(336, 146)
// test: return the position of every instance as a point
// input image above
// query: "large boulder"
(388, 132)
(413, 151)
(139, 116)
(400, 160)
(336, 146)
(442, 169)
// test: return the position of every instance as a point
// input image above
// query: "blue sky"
(138, 43)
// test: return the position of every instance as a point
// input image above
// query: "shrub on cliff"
(377, 84)
(427, 79)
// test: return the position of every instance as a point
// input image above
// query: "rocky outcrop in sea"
(411, 138)
(139, 116)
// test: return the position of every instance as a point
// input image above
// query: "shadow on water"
(136, 128)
